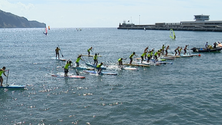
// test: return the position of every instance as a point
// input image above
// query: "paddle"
(7, 79)
(77, 73)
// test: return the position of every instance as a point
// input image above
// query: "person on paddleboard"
(57, 52)
(148, 56)
(163, 49)
(131, 57)
(143, 56)
(179, 50)
(176, 50)
(95, 58)
(88, 50)
(185, 49)
(99, 68)
(120, 61)
(78, 59)
(66, 67)
(167, 50)
(2, 71)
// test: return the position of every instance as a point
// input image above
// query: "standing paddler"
(148, 56)
(2, 71)
(95, 58)
(57, 52)
(131, 57)
(163, 49)
(66, 67)
(185, 49)
(90, 49)
(78, 59)
(143, 56)
(167, 50)
(99, 68)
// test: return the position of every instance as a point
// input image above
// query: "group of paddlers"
(69, 63)
(147, 55)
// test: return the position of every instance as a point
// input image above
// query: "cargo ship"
(201, 23)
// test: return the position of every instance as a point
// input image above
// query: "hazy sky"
(109, 13)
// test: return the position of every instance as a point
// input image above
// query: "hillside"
(9, 20)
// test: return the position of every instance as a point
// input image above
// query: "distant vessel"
(201, 23)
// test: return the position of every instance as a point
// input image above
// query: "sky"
(109, 13)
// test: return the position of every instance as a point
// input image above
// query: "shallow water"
(186, 92)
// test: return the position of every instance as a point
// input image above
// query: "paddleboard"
(139, 65)
(196, 55)
(102, 73)
(129, 68)
(186, 55)
(13, 86)
(161, 62)
(151, 62)
(92, 55)
(94, 66)
(83, 68)
(167, 57)
(60, 59)
(69, 76)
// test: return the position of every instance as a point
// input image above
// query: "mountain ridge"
(9, 20)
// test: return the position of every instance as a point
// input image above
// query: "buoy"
(199, 55)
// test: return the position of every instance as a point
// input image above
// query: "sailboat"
(46, 32)
(172, 34)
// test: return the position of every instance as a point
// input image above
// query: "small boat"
(217, 49)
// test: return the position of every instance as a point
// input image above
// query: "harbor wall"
(174, 26)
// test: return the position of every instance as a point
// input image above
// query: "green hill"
(9, 20)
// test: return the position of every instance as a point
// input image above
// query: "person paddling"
(185, 49)
(131, 57)
(167, 50)
(95, 58)
(57, 52)
(66, 68)
(176, 50)
(90, 49)
(78, 59)
(179, 50)
(99, 68)
(148, 56)
(143, 56)
(2, 71)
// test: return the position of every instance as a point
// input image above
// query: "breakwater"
(174, 26)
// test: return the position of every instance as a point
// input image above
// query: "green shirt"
(78, 59)
(1, 71)
(67, 65)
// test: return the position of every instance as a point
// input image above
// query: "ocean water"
(185, 92)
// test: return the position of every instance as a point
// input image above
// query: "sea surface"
(187, 92)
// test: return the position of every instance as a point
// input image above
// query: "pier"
(201, 23)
